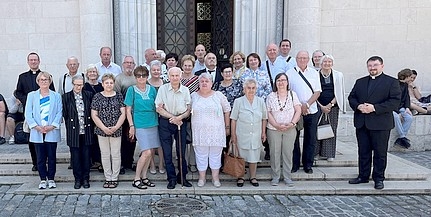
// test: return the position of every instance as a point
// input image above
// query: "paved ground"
(233, 205)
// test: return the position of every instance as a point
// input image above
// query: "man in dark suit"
(26, 84)
(373, 98)
(211, 68)
(79, 130)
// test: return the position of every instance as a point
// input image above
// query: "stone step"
(398, 169)
(299, 188)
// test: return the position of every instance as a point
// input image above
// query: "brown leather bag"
(234, 165)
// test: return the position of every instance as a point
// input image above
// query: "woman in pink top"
(284, 111)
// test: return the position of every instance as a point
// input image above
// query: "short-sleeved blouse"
(144, 109)
(109, 112)
(208, 119)
(231, 92)
(273, 107)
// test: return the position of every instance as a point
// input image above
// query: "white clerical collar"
(375, 76)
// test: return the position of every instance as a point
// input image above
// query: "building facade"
(350, 30)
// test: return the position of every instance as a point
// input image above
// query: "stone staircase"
(329, 178)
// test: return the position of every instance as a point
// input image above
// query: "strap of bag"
(269, 74)
(326, 118)
(288, 59)
(306, 81)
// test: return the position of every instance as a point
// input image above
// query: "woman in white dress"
(249, 117)
(210, 124)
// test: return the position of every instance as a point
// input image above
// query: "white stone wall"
(397, 30)
(55, 29)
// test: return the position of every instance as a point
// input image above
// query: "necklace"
(326, 76)
(279, 103)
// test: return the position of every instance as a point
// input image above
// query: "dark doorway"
(181, 25)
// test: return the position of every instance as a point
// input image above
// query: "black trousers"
(127, 147)
(33, 154)
(80, 157)
(309, 143)
(372, 147)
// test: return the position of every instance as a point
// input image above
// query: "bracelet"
(132, 125)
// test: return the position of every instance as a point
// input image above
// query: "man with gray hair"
(150, 55)
(65, 82)
(122, 82)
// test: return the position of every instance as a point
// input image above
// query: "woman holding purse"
(330, 101)
(284, 111)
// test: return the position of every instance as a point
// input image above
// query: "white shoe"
(51, 184)
(217, 184)
(288, 182)
(11, 140)
(330, 159)
(201, 183)
(42, 184)
(274, 182)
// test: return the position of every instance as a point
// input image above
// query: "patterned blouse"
(109, 112)
(263, 82)
(44, 109)
(231, 92)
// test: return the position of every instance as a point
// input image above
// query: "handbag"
(25, 127)
(234, 165)
(324, 131)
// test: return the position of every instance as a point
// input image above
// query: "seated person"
(415, 95)
(16, 114)
(403, 117)
(3, 113)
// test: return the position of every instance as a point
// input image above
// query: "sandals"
(147, 182)
(106, 184)
(139, 184)
(255, 184)
(240, 182)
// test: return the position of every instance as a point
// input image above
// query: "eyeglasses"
(44, 80)
(78, 85)
(373, 66)
(302, 58)
(141, 76)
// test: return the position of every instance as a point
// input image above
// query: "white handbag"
(324, 131)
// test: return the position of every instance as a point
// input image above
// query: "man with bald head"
(150, 55)
(173, 105)
(200, 53)
(122, 82)
(65, 82)
(211, 68)
(105, 65)
(305, 81)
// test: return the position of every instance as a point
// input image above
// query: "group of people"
(201, 109)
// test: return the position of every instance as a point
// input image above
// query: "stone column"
(256, 24)
(135, 28)
(96, 29)
(303, 25)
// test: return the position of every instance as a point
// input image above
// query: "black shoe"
(122, 171)
(86, 184)
(308, 170)
(171, 184)
(378, 185)
(240, 182)
(186, 183)
(294, 170)
(358, 181)
(398, 142)
(77, 185)
(405, 142)
(2, 140)
(34, 168)
(267, 156)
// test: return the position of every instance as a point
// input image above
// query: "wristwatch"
(332, 104)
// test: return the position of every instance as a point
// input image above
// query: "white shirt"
(112, 68)
(297, 84)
